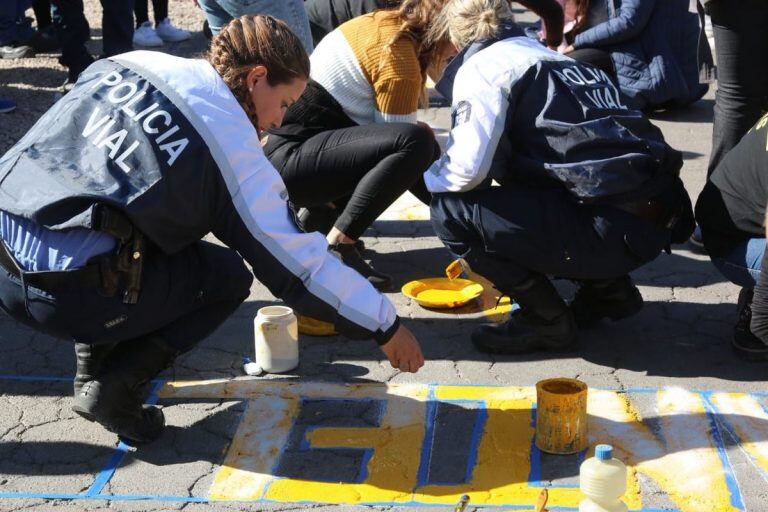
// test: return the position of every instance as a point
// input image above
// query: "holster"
(128, 264)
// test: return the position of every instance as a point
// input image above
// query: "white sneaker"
(171, 34)
(145, 35)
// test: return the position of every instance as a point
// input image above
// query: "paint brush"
(462, 504)
(453, 270)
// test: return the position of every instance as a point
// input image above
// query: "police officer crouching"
(588, 189)
(104, 202)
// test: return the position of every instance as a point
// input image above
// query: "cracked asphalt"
(681, 339)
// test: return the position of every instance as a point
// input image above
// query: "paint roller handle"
(403, 351)
(462, 504)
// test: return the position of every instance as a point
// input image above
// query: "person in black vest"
(731, 212)
(588, 189)
(104, 202)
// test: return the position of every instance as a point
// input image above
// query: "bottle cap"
(604, 452)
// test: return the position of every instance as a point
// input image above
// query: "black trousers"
(117, 31)
(141, 9)
(362, 169)
(742, 77)
(506, 234)
(184, 298)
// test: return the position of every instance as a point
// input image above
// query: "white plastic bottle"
(277, 339)
(603, 480)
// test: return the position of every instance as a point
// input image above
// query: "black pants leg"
(160, 8)
(73, 31)
(508, 234)
(117, 25)
(141, 10)
(368, 167)
(42, 10)
(742, 82)
(184, 297)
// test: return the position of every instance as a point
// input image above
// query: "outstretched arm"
(551, 14)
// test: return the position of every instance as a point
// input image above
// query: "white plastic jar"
(276, 336)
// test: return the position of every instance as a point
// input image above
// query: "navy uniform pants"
(184, 297)
(506, 234)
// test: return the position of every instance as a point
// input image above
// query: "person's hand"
(403, 351)
(567, 49)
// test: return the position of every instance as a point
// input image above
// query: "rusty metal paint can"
(561, 416)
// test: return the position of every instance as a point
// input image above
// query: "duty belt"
(110, 273)
(52, 280)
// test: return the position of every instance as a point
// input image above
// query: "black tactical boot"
(351, 257)
(89, 359)
(607, 298)
(115, 397)
(746, 345)
(543, 322)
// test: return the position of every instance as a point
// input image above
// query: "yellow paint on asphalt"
(747, 418)
(691, 470)
(677, 450)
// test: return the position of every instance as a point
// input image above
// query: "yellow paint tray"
(314, 327)
(441, 292)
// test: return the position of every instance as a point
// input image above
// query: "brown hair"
(415, 17)
(254, 40)
(582, 8)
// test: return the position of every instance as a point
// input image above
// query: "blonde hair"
(464, 21)
(254, 40)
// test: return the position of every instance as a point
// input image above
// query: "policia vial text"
(152, 120)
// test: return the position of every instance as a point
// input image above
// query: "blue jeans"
(221, 12)
(742, 265)
(14, 26)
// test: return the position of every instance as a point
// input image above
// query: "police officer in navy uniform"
(104, 201)
(588, 189)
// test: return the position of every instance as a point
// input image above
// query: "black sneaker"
(524, 333)
(351, 257)
(16, 51)
(746, 345)
(610, 298)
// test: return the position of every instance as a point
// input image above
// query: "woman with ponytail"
(101, 235)
(588, 189)
(352, 145)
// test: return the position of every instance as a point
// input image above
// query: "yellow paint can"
(561, 416)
